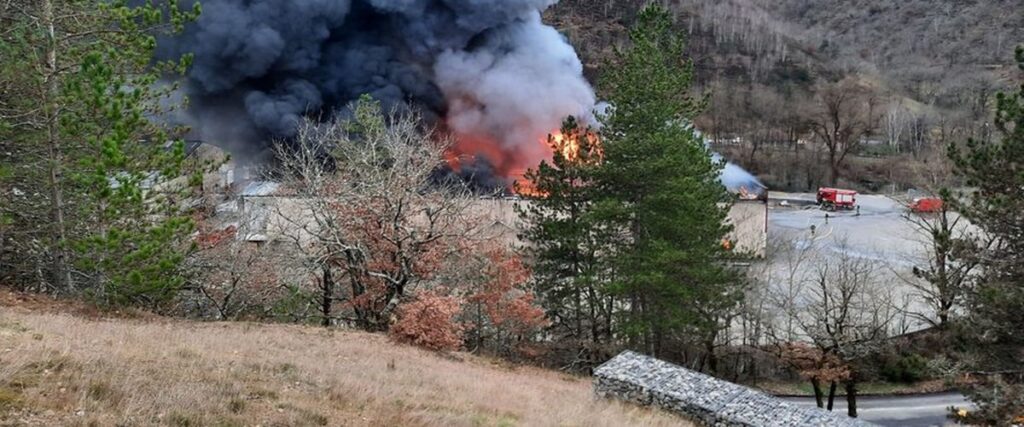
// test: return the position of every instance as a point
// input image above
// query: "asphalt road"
(904, 411)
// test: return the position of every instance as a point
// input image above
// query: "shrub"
(905, 369)
(429, 321)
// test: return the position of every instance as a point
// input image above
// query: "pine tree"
(658, 189)
(83, 116)
(564, 245)
(995, 172)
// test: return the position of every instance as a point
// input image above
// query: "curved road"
(905, 411)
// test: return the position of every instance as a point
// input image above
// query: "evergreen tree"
(84, 95)
(658, 191)
(995, 172)
(564, 244)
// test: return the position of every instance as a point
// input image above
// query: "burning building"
(490, 72)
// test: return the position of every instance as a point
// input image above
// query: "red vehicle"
(926, 205)
(836, 198)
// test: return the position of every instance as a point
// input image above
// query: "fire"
(526, 188)
(577, 146)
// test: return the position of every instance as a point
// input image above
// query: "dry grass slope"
(58, 369)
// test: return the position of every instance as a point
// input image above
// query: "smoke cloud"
(733, 177)
(737, 179)
(488, 70)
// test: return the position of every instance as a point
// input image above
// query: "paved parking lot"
(880, 231)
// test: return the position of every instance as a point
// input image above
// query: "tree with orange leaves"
(817, 366)
(372, 222)
(501, 310)
(389, 244)
(489, 304)
(430, 321)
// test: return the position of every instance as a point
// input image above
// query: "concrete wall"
(261, 219)
(749, 219)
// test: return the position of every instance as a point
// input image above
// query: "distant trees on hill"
(932, 65)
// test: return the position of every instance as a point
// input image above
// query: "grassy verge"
(58, 369)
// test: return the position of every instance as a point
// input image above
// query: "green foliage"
(565, 242)
(109, 169)
(642, 222)
(907, 368)
(368, 121)
(659, 187)
(125, 168)
(878, 150)
(293, 305)
(5, 216)
(995, 171)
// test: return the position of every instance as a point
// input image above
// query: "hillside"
(932, 69)
(782, 42)
(63, 369)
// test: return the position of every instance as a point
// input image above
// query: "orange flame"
(577, 146)
(526, 188)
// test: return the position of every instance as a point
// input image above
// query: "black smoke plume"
(489, 69)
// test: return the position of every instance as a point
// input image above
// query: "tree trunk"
(55, 153)
(753, 370)
(479, 327)
(833, 169)
(578, 308)
(851, 398)
(592, 302)
(831, 394)
(819, 397)
(709, 347)
(326, 296)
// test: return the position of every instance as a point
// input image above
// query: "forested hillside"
(929, 69)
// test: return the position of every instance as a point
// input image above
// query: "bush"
(429, 321)
(905, 369)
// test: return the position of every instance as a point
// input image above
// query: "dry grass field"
(78, 369)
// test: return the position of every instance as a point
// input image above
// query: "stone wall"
(648, 381)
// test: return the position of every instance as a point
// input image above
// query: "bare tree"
(367, 212)
(790, 279)
(234, 278)
(834, 311)
(846, 113)
(847, 313)
(944, 277)
(897, 120)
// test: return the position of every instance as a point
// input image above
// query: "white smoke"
(515, 88)
(734, 177)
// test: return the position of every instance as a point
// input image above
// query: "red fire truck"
(926, 205)
(836, 198)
